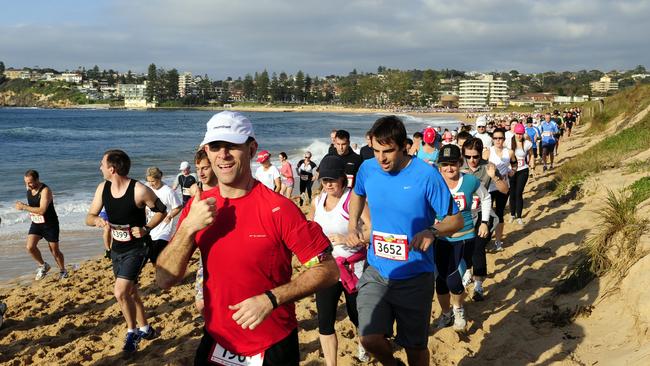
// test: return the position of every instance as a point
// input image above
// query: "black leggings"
(499, 199)
(475, 255)
(305, 185)
(517, 184)
(327, 301)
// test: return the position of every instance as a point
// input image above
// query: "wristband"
(274, 300)
(433, 231)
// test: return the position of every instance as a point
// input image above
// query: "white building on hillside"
(135, 95)
(604, 85)
(482, 92)
(185, 84)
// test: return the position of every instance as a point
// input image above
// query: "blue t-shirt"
(429, 158)
(464, 197)
(532, 132)
(548, 130)
(401, 205)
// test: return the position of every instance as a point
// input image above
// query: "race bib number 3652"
(222, 356)
(390, 246)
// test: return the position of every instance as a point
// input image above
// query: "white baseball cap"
(184, 165)
(481, 121)
(228, 126)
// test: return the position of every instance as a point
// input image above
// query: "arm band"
(274, 300)
(158, 206)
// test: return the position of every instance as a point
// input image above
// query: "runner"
(481, 133)
(207, 181)
(524, 155)
(184, 180)
(267, 173)
(45, 223)
(450, 251)
(559, 121)
(502, 158)
(417, 144)
(130, 232)
(405, 196)
(462, 137)
(286, 176)
(428, 152)
(569, 120)
(489, 176)
(107, 239)
(366, 150)
(249, 293)
(161, 233)
(305, 169)
(549, 130)
(3, 310)
(534, 134)
(352, 160)
(330, 210)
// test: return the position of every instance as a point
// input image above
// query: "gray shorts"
(382, 302)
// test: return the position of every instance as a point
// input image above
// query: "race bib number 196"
(390, 246)
(222, 356)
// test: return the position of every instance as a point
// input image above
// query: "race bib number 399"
(222, 356)
(121, 233)
(390, 246)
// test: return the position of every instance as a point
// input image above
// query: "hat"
(184, 165)
(449, 153)
(429, 135)
(332, 167)
(481, 121)
(519, 128)
(228, 126)
(263, 156)
(447, 136)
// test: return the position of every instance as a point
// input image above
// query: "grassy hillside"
(19, 92)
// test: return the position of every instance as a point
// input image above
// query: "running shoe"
(446, 320)
(148, 335)
(520, 221)
(467, 278)
(551, 168)
(544, 168)
(498, 246)
(131, 342)
(63, 274)
(459, 319)
(511, 219)
(478, 294)
(42, 271)
(3, 308)
(362, 355)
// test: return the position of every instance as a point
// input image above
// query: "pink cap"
(429, 135)
(447, 136)
(520, 129)
(263, 156)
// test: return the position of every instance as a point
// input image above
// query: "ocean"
(66, 146)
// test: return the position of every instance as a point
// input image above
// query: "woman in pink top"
(286, 176)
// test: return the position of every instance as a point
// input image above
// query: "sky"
(232, 38)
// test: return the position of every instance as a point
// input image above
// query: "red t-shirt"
(246, 251)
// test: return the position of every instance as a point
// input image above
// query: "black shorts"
(548, 149)
(451, 266)
(155, 249)
(285, 352)
(49, 232)
(129, 264)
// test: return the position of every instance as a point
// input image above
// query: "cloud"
(224, 38)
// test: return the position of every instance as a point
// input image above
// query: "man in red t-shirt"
(247, 234)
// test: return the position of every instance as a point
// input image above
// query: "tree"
(262, 86)
(93, 74)
(205, 88)
(129, 77)
(283, 79)
(275, 90)
(171, 84)
(2, 67)
(152, 83)
(308, 85)
(299, 87)
(249, 87)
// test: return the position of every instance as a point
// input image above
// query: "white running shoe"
(498, 246)
(42, 271)
(445, 320)
(63, 274)
(459, 319)
(520, 221)
(362, 355)
(467, 278)
(511, 219)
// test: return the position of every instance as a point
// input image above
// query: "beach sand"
(77, 321)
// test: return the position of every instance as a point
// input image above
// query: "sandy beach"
(521, 322)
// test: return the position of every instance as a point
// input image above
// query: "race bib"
(390, 246)
(547, 134)
(186, 191)
(476, 202)
(224, 357)
(304, 177)
(461, 201)
(121, 233)
(37, 219)
(521, 162)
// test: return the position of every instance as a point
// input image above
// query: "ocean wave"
(38, 134)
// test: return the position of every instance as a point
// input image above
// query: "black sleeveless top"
(35, 201)
(123, 211)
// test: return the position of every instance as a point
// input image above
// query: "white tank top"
(336, 221)
(522, 155)
(502, 163)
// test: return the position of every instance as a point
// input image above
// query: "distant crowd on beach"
(397, 220)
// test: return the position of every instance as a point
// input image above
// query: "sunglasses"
(498, 138)
(472, 157)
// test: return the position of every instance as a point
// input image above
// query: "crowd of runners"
(404, 218)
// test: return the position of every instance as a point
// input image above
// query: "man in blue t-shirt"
(405, 197)
(534, 133)
(549, 129)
